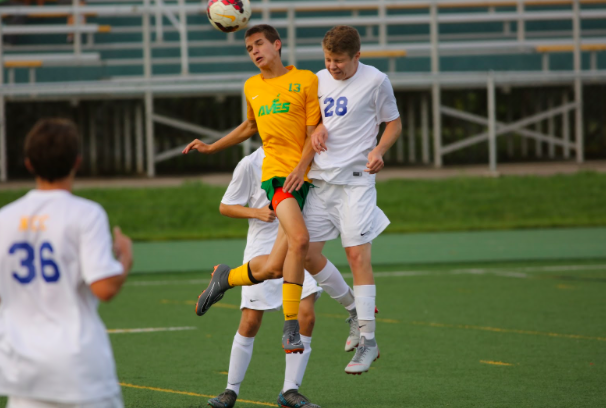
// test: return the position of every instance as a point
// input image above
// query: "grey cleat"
(366, 353)
(227, 399)
(292, 399)
(354, 333)
(291, 339)
(216, 289)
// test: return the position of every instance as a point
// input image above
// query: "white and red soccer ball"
(228, 15)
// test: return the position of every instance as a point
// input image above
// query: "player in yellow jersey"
(283, 107)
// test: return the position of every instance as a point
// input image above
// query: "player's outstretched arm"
(392, 131)
(239, 211)
(245, 131)
(106, 289)
(295, 180)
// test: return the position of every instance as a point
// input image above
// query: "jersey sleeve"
(250, 114)
(312, 106)
(240, 188)
(387, 108)
(96, 258)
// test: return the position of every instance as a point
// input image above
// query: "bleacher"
(158, 48)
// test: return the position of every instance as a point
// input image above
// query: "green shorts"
(273, 183)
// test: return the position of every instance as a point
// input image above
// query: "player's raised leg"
(359, 258)
(291, 220)
(330, 279)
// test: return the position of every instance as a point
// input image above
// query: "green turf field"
(191, 211)
(526, 334)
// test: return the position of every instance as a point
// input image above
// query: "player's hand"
(294, 181)
(199, 146)
(265, 214)
(123, 248)
(375, 162)
(318, 139)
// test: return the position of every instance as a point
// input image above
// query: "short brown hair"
(342, 40)
(52, 147)
(268, 31)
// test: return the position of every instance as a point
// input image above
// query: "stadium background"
(511, 315)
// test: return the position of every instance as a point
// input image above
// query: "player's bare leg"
(359, 258)
(331, 280)
(291, 220)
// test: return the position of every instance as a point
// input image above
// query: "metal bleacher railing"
(154, 48)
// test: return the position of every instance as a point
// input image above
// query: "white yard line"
(150, 330)
(520, 272)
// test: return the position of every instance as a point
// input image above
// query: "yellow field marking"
(564, 286)
(338, 316)
(191, 302)
(223, 372)
(150, 329)
(192, 394)
(499, 330)
(499, 363)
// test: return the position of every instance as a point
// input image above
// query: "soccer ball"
(228, 15)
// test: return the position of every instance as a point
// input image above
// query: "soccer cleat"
(227, 399)
(291, 339)
(292, 399)
(354, 333)
(216, 289)
(366, 353)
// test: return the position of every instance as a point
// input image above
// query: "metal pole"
(117, 152)
(400, 142)
(149, 98)
(412, 157)
(425, 129)
(76, 33)
(578, 85)
(159, 23)
(183, 38)
(436, 102)
(3, 155)
(551, 128)
(92, 131)
(492, 126)
(292, 34)
(382, 25)
(539, 128)
(565, 127)
(128, 141)
(139, 138)
(524, 140)
(266, 11)
(521, 23)
(246, 146)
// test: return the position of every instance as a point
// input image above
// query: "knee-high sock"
(241, 276)
(241, 353)
(296, 365)
(331, 280)
(291, 298)
(365, 305)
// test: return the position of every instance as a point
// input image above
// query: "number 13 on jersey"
(340, 109)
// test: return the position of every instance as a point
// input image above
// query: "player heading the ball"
(283, 107)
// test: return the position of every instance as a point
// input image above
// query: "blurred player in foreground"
(244, 190)
(355, 100)
(283, 107)
(56, 261)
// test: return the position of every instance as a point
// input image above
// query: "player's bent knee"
(299, 242)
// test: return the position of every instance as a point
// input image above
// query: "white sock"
(241, 353)
(365, 305)
(331, 280)
(296, 365)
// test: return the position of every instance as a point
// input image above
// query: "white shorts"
(19, 402)
(268, 295)
(350, 211)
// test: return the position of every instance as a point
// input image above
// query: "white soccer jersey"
(352, 111)
(245, 189)
(53, 344)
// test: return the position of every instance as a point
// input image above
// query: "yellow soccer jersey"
(283, 107)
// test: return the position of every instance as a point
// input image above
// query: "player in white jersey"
(355, 99)
(245, 198)
(56, 261)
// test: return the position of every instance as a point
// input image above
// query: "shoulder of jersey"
(374, 73)
(252, 79)
(307, 74)
(10, 207)
(321, 74)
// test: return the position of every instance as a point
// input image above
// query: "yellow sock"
(291, 297)
(239, 276)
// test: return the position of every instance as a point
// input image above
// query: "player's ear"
(356, 56)
(28, 166)
(277, 45)
(77, 164)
